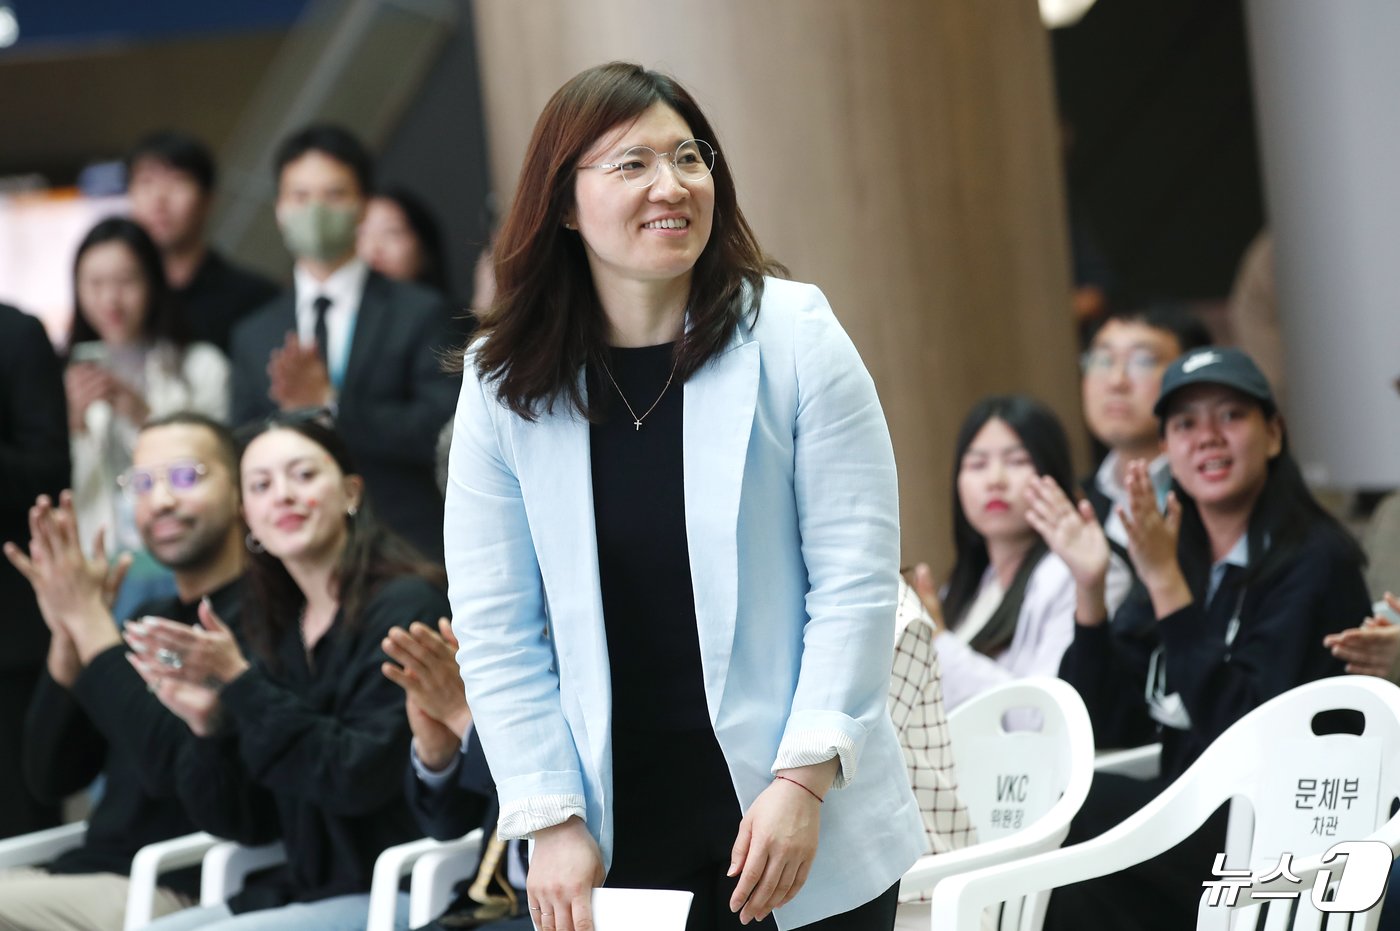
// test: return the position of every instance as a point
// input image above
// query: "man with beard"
(91, 712)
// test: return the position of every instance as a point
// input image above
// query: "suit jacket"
(792, 521)
(394, 401)
(33, 461)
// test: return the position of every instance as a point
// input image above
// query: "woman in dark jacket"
(1239, 581)
(305, 741)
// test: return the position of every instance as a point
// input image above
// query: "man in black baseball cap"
(1225, 366)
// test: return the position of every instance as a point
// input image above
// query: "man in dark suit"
(170, 180)
(347, 338)
(33, 461)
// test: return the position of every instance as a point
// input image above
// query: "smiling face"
(184, 528)
(295, 498)
(992, 480)
(653, 234)
(1219, 443)
(112, 292)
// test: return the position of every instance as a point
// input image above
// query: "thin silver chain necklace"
(637, 421)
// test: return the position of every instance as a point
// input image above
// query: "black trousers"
(20, 811)
(676, 818)
(1160, 894)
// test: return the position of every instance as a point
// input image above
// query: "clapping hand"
(434, 698)
(1371, 649)
(297, 377)
(1072, 532)
(1152, 539)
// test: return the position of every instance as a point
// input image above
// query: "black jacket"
(218, 296)
(109, 723)
(312, 754)
(33, 461)
(394, 402)
(1278, 646)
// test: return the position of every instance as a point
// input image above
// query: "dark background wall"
(1162, 155)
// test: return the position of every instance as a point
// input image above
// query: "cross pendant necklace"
(637, 420)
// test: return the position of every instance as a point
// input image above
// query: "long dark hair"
(1044, 439)
(163, 321)
(1283, 516)
(372, 556)
(546, 322)
(426, 230)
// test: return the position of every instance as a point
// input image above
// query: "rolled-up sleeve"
(848, 518)
(499, 617)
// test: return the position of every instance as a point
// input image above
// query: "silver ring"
(534, 908)
(171, 658)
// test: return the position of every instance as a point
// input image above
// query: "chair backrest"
(1011, 779)
(1287, 775)
(1025, 757)
(640, 909)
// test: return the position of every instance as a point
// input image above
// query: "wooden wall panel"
(902, 154)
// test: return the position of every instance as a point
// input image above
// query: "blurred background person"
(170, 181)
(1122, 376)
(129, 359)
(1008, 608)
(351, 339)
(33, 461)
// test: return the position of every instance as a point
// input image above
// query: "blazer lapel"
(719, 410)
(554, 467)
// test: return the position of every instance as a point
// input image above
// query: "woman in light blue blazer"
(672, 541)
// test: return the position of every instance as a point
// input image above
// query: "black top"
(218, 296)
(33, 461)
(313, 753)
(110, 723)
(643, 556)
(1282, 621)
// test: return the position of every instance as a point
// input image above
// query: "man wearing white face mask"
(349, 339)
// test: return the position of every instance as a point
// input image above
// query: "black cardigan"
(1278, 646)
(110, 723)
(313, 755)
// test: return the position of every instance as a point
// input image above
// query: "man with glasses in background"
(1123, 369)
(92, 712)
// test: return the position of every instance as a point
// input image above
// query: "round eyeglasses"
(640, 165)
(178, 476)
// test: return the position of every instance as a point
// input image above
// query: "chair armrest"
(390, 868)
(41, 846)
(227, 865)
(152, 860)
(436, 872)
(1143, 762)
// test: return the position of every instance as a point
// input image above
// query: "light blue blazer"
(791, 515)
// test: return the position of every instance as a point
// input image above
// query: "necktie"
(321, 305)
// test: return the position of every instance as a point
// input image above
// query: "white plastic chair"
(1263, 764)
(435, 867)
(224, 865)
(1050, 770)
(41, 846)
(1143, 762)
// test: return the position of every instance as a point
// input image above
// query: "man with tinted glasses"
(92, 712)
(1123, 369)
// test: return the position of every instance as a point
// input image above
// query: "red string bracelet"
(802, 787)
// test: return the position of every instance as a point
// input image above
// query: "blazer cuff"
(522, 818)
(817, 736)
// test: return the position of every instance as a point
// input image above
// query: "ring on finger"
(171, 658)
